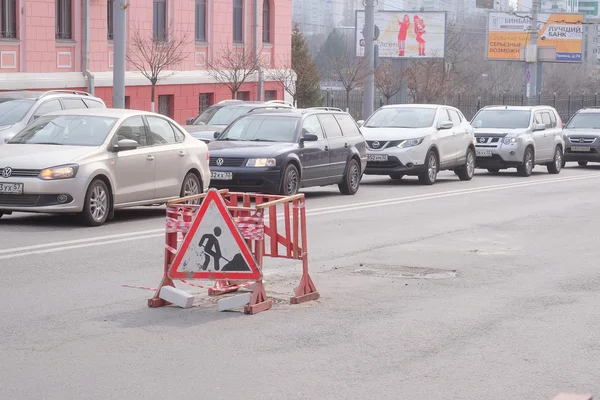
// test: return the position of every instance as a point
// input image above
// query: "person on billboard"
(419, 31)
(404, 26)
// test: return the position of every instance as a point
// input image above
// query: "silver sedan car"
(92, 162)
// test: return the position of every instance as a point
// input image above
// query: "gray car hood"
(204, 132)
(582, 132)
(40, 156)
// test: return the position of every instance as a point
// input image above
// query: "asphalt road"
(486, 289)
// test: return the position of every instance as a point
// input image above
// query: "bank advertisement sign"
(405, 34)
(560, 37)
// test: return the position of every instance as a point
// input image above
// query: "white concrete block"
(234, 301)
(176, 296)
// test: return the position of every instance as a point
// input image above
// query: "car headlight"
(261, 162)
(510, 140)
(410, 143)
(60, 172)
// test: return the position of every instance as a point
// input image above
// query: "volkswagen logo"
(375, 144)
(219, 161)
(7, 172)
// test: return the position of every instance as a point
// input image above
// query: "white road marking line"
(54, 247)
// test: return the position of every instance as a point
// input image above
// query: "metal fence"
(566, 105)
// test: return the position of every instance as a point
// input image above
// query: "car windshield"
(405, 117)
(68, 130)
(262, 128)
(222, 115)
(502, 119)
(13, 111)
(585, 121)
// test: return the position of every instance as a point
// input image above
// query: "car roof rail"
(282, 102)
(325, 109)
(66, 91)
(270, 108)
(228, 101)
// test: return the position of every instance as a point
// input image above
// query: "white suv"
(17, 109)
(419, 140)
(519, 137)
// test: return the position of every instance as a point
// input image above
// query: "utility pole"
(531, 53)
(369, 35)
(120, 44)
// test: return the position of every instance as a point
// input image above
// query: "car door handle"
(326, 148)
(181, 153)
(545, 135)
(150, 157)
(346, 145)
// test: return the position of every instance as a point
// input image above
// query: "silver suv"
(518, 137)
(582, 137)
(17, 109)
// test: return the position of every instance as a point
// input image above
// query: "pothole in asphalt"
(404, 272)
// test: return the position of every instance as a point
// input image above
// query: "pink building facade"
(42, 46)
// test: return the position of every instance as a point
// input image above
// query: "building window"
(109, 18)
(159, 19)
(270, 95)
(201, 20)
(244, 96)
(238, 21)
(205, 101)
(165, 105)
(8, 19)
(266, 21)
(64, 19)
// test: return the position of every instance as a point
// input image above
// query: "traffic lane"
(499, 327)
(149, 221)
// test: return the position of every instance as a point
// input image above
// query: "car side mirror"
(360, 122)
(445, 125)
(216, 134)
(310, 137)
(539, 127)
(125, 144)
(190, 121)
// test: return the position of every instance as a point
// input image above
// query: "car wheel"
(96, 206)
(466, 172)
(556, 165)
(397, 176)
(527, 168)
(493, 170)
(190, 187)
(430, 175)
(582, 163)
(351, 181)
(291, 181)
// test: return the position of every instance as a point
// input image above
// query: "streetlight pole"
(369, 33)
(120, 44)
(531, 53)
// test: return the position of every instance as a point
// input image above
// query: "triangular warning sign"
(213, 247)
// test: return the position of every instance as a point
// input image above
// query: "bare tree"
(152, 56)
(388, 81)
(233, 67)
(348, 70)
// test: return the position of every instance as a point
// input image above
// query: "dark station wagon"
(281, 151)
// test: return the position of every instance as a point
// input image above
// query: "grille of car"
(23, 172)
(383, 144)
(227, 162)
(18, 200)
(582, 140)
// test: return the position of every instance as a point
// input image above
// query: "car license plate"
(580, 149)
(221, 176)
(377, 157)
(483, 153)
(11, 188)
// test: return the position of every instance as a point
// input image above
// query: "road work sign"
(214, 247)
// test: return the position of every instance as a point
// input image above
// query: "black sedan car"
(281, 152)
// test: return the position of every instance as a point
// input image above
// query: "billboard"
(560, 37)
(405, 34)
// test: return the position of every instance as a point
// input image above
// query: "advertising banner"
(401, 34)
(560, 37)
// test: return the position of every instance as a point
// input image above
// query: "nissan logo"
(482, 140)
(7, 172)
(375, 144)
(219, 161)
